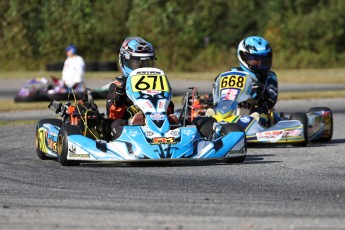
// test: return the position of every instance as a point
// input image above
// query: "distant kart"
(232, 89)
(83, 134)
(44, 89)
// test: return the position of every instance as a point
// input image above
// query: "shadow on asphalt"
(250, 159)
(259, 159)
(336, 141)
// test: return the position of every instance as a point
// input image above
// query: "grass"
(20, 122)
(329, 76)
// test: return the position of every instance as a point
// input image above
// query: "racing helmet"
(255, 55)
(135, 53)
(71, 48)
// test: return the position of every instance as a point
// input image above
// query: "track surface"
(275, 188)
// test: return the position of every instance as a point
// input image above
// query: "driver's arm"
(116, 98)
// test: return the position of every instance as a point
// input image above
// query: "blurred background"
(194, 35)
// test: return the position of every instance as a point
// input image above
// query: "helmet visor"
(258, 62)
(137, 63)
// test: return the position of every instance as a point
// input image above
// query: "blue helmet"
(135, 53)
(255, 55)
(71, 48)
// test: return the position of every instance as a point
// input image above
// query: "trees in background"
(194, 35)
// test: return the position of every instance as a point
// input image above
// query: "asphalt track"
(275, 188)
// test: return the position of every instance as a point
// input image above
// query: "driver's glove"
(270, 95)
(270, 92)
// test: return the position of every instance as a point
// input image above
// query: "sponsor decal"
(174, 133)
(157, 116)
(52, 144)
(152, 91)
(245, 119)
(272, 136)
(83, 156)
(293, 133)
(187, 132)
(163, 140)
(160, 105)
(149, 133)
(149, 72)
(72, 149)
(229, 94)
(133, 133)
(148, 105)
(42, 134)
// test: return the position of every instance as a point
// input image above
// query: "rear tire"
(233, 127)
(204, 125)
(62, 144)
(317, 109)
(55, 122)
(302, 117)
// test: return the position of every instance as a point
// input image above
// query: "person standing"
(73, 73)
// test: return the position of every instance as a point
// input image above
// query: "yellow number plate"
(232, 81)
(149, 82)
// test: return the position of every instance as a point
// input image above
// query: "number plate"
(149, 82)
(163, 140)
(232, 81)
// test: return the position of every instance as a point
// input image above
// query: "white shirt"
(73, 71)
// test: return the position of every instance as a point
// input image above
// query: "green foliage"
(194, 35)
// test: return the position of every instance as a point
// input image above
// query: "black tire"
(55, 122)
(62, 144)
(317, 109)
(204, 125)
(302, 117)
(233, 127)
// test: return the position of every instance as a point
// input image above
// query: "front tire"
(318, 109)
(204, 125)
(62, 144)
(233, 127)
(302, 117)
(38, 142)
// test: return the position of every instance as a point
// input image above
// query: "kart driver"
(255, 57)
(73, 70)
(135, 53)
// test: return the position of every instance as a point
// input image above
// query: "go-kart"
(44, 89)
(233, 89)
(83, 134)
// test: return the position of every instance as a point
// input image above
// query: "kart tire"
(55, 122)
(233, 127)
(317, 109)
(62, 144)
(204, 125)
(302, 117)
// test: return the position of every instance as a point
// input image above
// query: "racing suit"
(117, 106)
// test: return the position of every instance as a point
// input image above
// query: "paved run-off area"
(275, 188)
